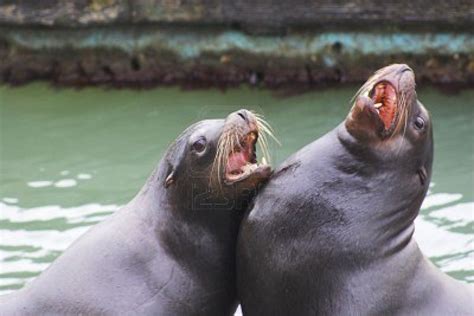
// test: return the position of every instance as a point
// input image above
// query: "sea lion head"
(391, 125)
(217, 159)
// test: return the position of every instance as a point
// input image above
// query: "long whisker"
(236, 143)
(270, 133)
(366, 87)
(261, 121)
(222, 152)
(216, 165)
(262, 141)
(257, 115)
(402, 120)
(266, 128)
(262, 124)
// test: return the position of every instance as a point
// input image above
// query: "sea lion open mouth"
(242, 161)
(381, 105)
(236, 157)
(384, 96)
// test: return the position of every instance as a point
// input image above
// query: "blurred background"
(93, 91)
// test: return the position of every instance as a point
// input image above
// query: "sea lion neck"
(385, 194)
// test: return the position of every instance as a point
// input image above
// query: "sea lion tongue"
(384, 96)
(237, 160)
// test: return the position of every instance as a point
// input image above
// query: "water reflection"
(36, 236)
(444, 233)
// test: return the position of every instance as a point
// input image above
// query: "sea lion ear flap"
(423, 175)
(172, 175)
(176, 156)
(169, 179)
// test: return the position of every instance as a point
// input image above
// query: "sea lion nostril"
(243, 115)
(404, 69)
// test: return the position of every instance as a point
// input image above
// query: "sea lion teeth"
(249, 167)
(378, 105)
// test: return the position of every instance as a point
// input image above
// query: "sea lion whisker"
(265, 127)
(402, 120)
(399, 115)
(265, 153)
(237, 141)
(365, 89)
(263, 143)
(400, 146)
(216, 163)
(262, 122)
(256, 114)
(221, 153)
(269, 133)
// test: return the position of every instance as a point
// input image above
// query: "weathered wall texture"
(147, 42)
(244, 12)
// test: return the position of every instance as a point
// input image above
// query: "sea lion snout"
(243, 119)
(244, 114)
(236, 158)
(398, 68)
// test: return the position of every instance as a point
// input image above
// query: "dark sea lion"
(331, 232)
(171, 250)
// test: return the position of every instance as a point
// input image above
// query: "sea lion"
(331, 232)
(171, 250)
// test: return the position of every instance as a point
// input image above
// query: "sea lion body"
(118, 268)
(170, 251)
(331, 232)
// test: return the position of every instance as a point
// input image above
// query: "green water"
(69, 158)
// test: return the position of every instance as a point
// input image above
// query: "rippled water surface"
(70, 158)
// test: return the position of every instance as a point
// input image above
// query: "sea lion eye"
(419, 123)
(199, 145)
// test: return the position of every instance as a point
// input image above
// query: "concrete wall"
(210, 42)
